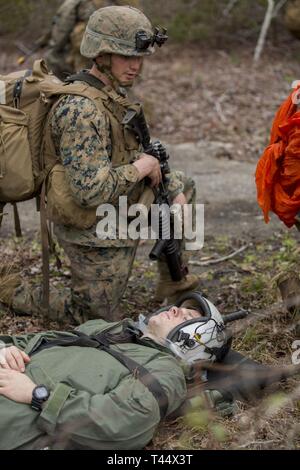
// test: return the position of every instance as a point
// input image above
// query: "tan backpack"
(25, 100)
(26, 154)
(24, 105)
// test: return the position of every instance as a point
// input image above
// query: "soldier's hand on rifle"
(148, 166)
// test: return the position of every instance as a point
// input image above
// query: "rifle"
(166, 244)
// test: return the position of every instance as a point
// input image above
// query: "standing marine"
(100, 159)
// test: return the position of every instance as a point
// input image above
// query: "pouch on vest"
(61, 205)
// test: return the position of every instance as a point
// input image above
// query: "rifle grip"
(147, 197)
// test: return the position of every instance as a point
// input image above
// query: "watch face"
(41, 392)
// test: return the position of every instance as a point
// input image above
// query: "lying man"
(104, 385)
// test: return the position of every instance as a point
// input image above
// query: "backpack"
(26, 98)
(27, 154)
(24, 106)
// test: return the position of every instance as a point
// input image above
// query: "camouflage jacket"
(72, 12)
(82, 138)
(69, 13)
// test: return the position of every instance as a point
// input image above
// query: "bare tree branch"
(278, 7)
(220, 260)
(264, 31)
(229, 8)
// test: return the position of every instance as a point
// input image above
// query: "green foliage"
(206, 20)
(275, 402)
(250, 337)
(219, 432)
(203, 21)
(26, 16)
(257, 284)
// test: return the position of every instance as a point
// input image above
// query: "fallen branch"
(213, 172)
(256, 443)
(218, 106)
(219, 260)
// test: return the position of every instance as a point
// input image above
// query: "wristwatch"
(40, 394)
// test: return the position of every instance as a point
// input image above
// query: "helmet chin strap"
(105, 69)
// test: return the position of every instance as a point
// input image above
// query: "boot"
(170, 290)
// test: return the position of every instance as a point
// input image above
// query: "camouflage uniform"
(100, 268)
(63, 56)
(97, 154)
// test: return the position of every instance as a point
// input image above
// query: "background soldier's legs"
(99, 280)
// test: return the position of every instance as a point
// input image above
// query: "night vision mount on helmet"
(143, 41)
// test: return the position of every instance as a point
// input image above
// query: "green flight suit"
(95, 401)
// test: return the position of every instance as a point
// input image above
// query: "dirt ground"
(214, 112)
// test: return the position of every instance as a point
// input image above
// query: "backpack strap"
(18, 230)
(112, 100)
(2, 205)
(17, 91)
(86, 78)
(100, 342)
(139, 372)
(45, 252)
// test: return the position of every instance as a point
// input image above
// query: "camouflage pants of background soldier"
(99, 278)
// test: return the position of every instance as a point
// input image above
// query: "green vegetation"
(26, 16)
(203, 21)
(208, 20)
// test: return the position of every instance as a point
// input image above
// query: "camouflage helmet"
(122, 30)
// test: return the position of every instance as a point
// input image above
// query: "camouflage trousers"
(99, 277)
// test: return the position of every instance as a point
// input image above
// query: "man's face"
(126, 69)
(160, 325)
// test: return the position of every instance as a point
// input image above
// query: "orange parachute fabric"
(278, 170)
